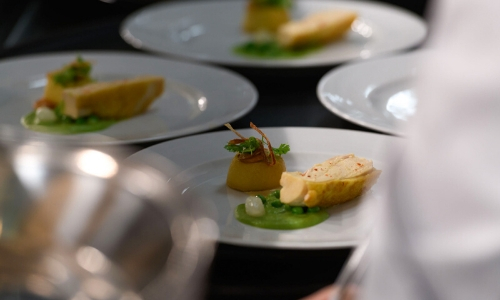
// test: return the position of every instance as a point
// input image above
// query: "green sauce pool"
(281, 216)
(271, 50)
(66, 126)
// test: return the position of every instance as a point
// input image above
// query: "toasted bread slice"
(316, 29)
(299, 191)
(334, 181)
(113, 100)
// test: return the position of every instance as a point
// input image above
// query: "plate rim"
(110, 141)
(320, 88)
(270, 64)
(260, 244)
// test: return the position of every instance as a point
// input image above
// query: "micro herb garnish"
(252, 144)
(247, 146)
(282, 149)
(252, 149)
(72, 73)
(280, 3)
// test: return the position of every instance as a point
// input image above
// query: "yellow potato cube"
(256, 176)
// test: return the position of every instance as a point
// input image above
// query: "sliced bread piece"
(115, 99)
(316, 29)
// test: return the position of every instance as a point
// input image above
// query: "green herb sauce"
(281, 216)
(271, 50)
(67, 125)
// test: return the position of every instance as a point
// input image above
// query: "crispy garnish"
(235, 132)
(252, 150)
(271, 153)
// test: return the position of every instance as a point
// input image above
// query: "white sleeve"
(438, 235)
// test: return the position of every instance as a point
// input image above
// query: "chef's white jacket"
(438, 228)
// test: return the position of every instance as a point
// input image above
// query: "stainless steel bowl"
(84, 223)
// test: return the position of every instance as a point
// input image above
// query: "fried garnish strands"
(255, 157)
(235, 132)
(269, 147)
(257, 154)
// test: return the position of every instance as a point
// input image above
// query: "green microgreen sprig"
(252, 144)
(72, 73)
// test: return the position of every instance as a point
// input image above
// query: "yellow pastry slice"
(316, 29)
(260, 17)
(113, 100)
(334, 181)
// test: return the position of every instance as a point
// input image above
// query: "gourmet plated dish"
(275, 35)
(278, 199)
(73, 102)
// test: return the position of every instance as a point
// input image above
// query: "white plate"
(203, 164)
(209, 30)
(196, 98)
(377, 94)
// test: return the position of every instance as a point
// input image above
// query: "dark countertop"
(286, 98)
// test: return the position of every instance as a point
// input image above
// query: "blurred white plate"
(203, 163)
(196, 98)
(377, 94)
(209, 30)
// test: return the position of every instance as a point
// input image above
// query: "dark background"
(286, 98)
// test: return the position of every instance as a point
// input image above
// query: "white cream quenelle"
(336, 180)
